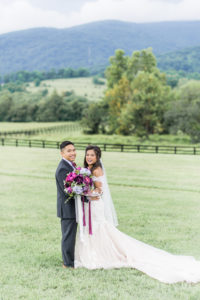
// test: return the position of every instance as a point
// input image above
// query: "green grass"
(14, 126)
(155, 139)
(157, 201)
(81, 86)
(78, 136)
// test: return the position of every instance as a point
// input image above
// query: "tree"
(137, 95)
(184, 113)
(92, 118)
(118, 65)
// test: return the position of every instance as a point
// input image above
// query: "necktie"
(74, 164)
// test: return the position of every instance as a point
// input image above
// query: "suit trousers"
(68, 228)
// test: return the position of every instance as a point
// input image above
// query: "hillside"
(187, 60)
(91, 45)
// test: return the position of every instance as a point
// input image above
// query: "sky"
(24, 14)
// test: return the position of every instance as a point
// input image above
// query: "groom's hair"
(64, 144)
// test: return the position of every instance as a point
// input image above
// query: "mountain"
(92, 44)
(187, 60)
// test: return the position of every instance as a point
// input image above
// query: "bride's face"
(91, 157)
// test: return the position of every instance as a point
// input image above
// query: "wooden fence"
(104, 146)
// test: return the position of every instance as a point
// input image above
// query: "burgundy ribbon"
(90, 218)
(83, 207)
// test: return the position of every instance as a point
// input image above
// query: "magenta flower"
(86, 180)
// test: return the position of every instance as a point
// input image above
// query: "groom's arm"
(60, 178)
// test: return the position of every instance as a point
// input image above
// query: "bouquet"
(78, 182)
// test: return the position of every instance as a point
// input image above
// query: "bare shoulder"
(98, 172)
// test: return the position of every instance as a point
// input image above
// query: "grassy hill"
(92, 44)
(82, 87)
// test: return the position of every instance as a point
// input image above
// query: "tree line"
(41, 107)
(37, 76)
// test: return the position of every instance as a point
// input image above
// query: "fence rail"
(104, 146)
(70, 127)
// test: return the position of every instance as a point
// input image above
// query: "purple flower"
(79, 179)
(69, 190)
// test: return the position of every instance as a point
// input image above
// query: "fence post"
(122, 148)
(30, 143)
(57, 145)
(156, 149)
(43, 144)
(104, 147)
(174, 150)
(2, 142)
(16, 143)
(194, 150)
(138, 148)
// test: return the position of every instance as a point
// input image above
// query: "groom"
(66, 210)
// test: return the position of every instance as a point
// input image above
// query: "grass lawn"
(81, 86)
(157, 201)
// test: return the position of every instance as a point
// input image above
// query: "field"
(81, 86)
(15, 126)
(157, 201)
(78, 136)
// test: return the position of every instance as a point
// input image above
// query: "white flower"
(77, 189)
(85, 171)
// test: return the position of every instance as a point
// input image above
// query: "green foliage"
(137, 94)
(93, 118)
(186, 60)
(118, 65)
(97, 80)
(184, 113)
(36, 76)
(14, 87)
(37, 81)
(27, 107)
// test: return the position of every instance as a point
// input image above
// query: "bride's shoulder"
(97, 172)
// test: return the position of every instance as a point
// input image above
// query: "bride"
(107, 247)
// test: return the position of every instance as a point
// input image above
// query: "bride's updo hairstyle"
(97, 151)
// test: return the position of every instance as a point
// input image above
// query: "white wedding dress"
(108, 248)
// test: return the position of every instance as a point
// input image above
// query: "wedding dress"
(107, 247)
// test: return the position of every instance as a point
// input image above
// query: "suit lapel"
(67, 165)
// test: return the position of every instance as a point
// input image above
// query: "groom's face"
(69, 152)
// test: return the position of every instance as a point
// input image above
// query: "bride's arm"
(97, 184)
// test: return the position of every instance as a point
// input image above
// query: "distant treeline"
(21, 106)
(37, 76)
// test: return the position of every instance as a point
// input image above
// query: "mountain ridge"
(90, 45)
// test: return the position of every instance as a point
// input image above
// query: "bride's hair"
(97, 151)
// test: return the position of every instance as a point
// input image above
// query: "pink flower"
(78, 168)
(87, 180)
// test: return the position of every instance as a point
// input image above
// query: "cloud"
(138, 11)
(22, 14)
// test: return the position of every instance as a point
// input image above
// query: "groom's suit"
(66, 211)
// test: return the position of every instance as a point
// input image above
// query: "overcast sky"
(23, 14)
